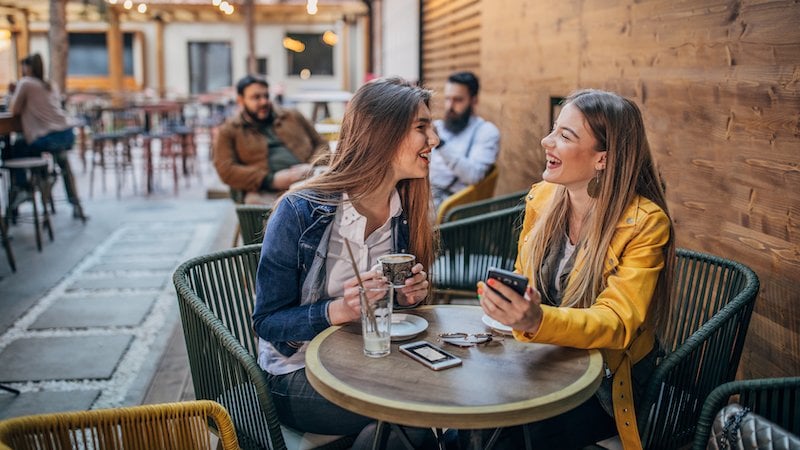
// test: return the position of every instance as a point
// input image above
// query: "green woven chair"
(470, 246)
(703, 345)
(776, 399)
(252, 221)
(485, 206)
(165, 426)
(216, 294)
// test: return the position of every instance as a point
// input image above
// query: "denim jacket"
(291, 292)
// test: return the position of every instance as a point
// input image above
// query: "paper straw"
(370, 314)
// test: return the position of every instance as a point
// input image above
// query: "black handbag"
(739, 428)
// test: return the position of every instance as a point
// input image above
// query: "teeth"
(425, 156)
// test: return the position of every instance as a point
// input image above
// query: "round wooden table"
(499, 384)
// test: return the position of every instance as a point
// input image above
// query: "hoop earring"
(595, 185)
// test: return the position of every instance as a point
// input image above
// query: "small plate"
(406, 326)
(495, 325)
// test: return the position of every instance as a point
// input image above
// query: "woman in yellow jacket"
(598, 250)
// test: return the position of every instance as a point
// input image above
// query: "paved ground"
(85, 323)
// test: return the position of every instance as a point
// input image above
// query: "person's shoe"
(77, 213)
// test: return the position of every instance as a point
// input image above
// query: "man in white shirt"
(469, 144)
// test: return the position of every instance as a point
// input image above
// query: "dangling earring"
(595, 184)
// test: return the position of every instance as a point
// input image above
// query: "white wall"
(400, 53)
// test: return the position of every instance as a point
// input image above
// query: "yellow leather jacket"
(616, 322)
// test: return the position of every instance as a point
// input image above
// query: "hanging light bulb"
(128, 4)
(142, 8)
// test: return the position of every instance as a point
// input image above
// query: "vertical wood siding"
(719, 86)
(451, 41)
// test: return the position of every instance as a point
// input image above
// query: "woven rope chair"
(252, 221)
(166, 426)
(776, 399)
(481, 190)
(470, 246)
(216, 295)
(714, 302)
(485, 206)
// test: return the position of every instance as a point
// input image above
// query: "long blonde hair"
(376, 121)
(617, 124)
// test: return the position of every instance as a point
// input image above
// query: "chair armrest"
(478, 191)
(239, 385)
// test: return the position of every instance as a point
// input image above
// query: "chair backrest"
(776, 399)
(484, 206)
(714, 300)
(216, 295)
(481, 190)
(166, 426)
(470, 246)
(252, 221)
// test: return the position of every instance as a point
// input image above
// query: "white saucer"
(406, 326)
(495, 325)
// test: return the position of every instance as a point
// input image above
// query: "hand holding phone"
(515, 281)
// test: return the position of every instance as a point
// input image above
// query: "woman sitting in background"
(597, 247)
(44, 124)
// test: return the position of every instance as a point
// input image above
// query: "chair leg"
(7, 245)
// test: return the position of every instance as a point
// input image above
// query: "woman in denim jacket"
(376, 195)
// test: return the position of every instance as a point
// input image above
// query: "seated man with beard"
(264, 150)
(469, 144)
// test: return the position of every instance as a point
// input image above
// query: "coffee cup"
(397, 267)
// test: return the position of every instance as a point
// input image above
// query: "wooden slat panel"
(718, 83)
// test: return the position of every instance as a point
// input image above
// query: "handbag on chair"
(739, 428)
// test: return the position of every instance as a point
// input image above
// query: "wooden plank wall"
(451, 41)
(719, 86)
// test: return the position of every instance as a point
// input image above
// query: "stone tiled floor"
(87, 322)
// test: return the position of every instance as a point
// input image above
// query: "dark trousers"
(300, 407)
(56, 143)
(575, 429)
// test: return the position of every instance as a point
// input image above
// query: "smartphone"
(517, 282)
(430, 355)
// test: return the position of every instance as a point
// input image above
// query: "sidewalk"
(85, 323)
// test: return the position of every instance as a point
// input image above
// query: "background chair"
(472, 193)
(252, 221)
(776, 399)
(216, 296)
(485, 206)
(167, 426)
(715, 298)
(470, 246)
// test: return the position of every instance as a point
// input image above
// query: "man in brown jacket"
(264, 150)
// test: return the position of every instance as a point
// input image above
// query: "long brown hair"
(376, 121)
(36, 64)
(617, 124)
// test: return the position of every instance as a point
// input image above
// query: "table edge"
(422, 415)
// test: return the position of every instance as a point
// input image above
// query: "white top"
(569, 249)
(348, 223)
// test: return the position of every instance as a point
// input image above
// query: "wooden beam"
(160, 76)
(59, 44)
(115, 62)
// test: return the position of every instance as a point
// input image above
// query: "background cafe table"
(500, 384)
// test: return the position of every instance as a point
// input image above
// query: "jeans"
(56, 143)
(300, 407)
